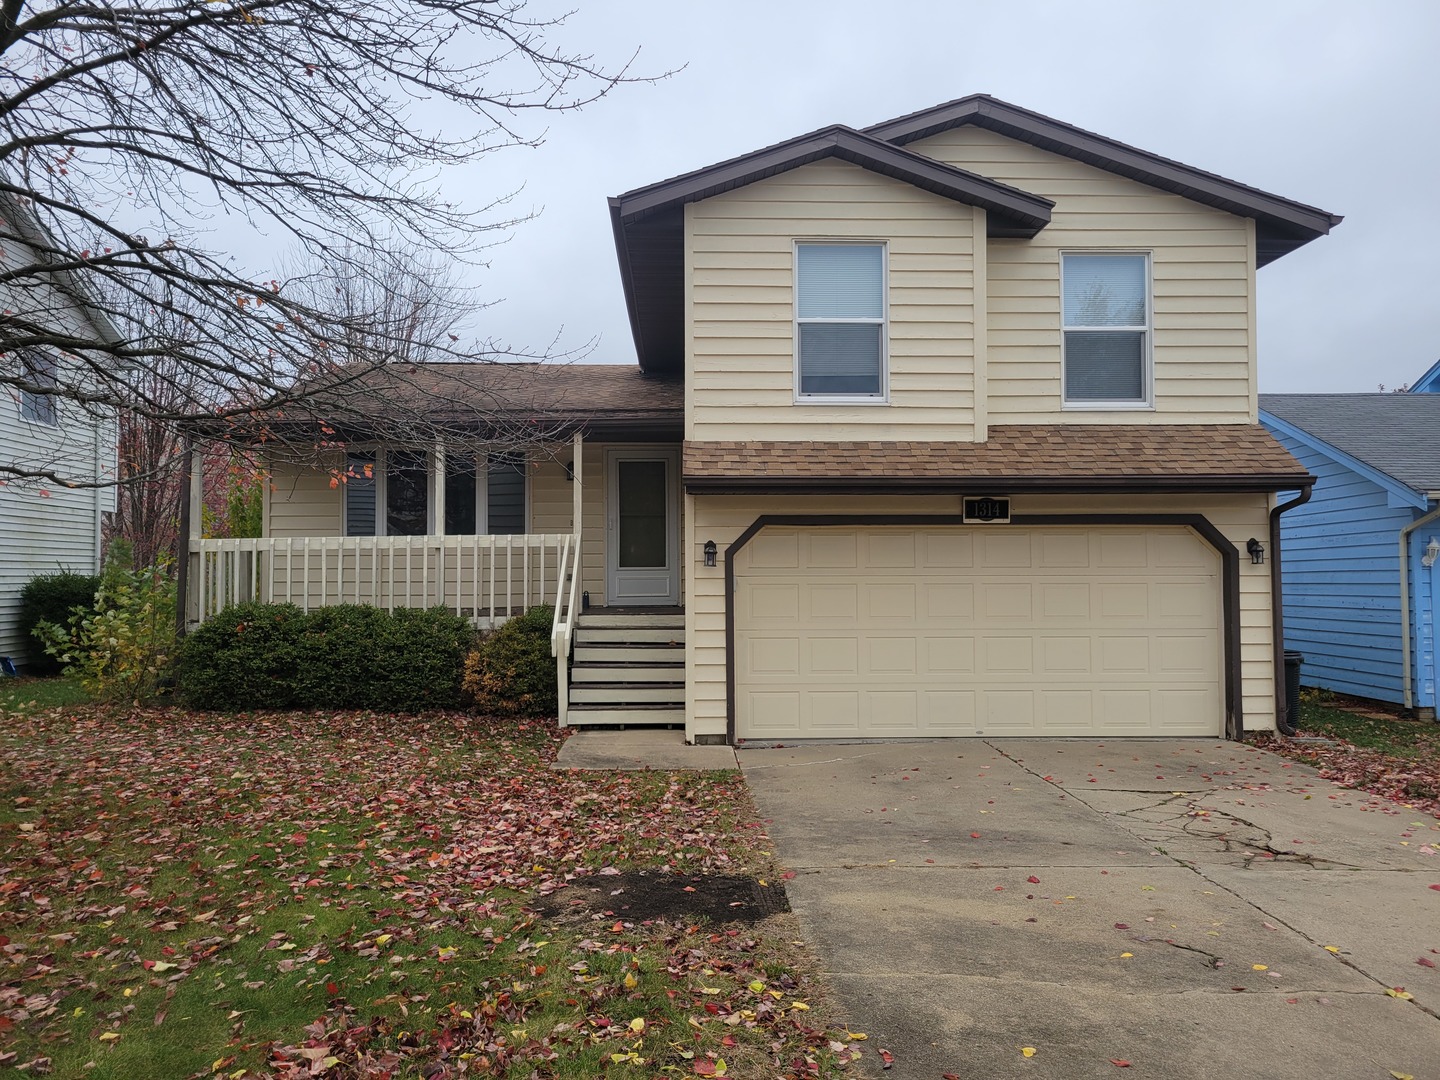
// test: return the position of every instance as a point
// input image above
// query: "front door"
(642, 528)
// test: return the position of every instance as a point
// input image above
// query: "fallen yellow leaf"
(1028, 1051)
(756, 985)
(110, 1036)
(1396, 1075)
(1332, 949)
(1259, 967)
(856, 1036)
(631, 981)
(1126, 955)
(1401, 994)
(638, 1024)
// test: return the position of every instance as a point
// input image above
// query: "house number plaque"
(987, 509)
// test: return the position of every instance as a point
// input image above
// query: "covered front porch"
(585, 526)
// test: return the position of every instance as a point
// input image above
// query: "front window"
(40, 370)
(840, 321)
(489, 500)
(1106, 313)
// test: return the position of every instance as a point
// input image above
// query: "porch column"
(189, 573)
(577, 468)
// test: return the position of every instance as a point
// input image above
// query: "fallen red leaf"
(1120, 1063)
(1033, 880)
(1122, 926)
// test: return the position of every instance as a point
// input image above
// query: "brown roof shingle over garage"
(1049, 457)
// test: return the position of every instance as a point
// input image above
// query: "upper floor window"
(1106, 315)
(840, 321)
(41, 370)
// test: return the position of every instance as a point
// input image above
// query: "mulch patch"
(640, 895)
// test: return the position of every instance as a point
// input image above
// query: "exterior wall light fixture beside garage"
(1256, 550)
(709, 552)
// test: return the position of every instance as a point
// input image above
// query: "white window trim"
(23, 397)
(1147, 358)
(434, 466)
(883, 398)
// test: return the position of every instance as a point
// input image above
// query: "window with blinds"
(1105, 301)
(840, 320)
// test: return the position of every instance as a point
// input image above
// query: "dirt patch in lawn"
(639, 895)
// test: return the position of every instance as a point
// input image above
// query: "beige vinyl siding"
(1202, 269)
(740, 363)
(723, 518)
(302, 502)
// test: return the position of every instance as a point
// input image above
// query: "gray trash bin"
(1293, 660)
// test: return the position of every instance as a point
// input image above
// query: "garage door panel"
(833, 602)
(893, 632)
(1007, 600)
(889, 600)
(1064, 600)
(890, 550)
(835, 712)
(1007, 712)
(1007, 655)
(892, 656)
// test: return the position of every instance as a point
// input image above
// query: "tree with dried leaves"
(125, 125)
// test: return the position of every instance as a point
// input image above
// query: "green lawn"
(1388, 756)
(27, 695)
(358, 895)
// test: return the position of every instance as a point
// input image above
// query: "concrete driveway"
(1196, 908)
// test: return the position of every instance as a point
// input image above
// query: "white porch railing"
(485, 578)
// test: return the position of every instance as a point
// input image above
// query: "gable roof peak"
(1282, 224)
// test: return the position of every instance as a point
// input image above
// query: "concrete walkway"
(640, 748)
(1199, 909)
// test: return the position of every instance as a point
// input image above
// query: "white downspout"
(1405, 664)
(99, 534)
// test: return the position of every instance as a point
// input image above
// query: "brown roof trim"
(1015, 212)
(970, 485)
(1282, 224)
(648, 222)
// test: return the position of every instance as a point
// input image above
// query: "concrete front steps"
(628, 669)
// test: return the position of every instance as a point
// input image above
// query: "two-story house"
(946, 427)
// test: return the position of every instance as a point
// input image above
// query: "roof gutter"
(968, 485)
(1405, 658)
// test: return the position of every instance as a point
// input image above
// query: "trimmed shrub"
(511, 672)
(246, 657)
(121, 647)
(350, 656)
(52, 598)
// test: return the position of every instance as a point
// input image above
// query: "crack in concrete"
(1122, 823)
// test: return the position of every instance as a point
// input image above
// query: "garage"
(903, 632)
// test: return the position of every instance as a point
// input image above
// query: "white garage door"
(993, 630)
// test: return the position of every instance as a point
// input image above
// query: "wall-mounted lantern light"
(709, 552)
(1432, 552)
(569, 467)
(1256, 550)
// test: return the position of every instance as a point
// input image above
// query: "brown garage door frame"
(1229, 579)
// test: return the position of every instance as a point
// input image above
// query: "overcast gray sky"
(1333, 104)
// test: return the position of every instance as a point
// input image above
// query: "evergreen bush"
(52, 598)
(511, 672)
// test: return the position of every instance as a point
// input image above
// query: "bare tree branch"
(124, 123)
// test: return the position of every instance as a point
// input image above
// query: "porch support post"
(577, 494)
(188, 570)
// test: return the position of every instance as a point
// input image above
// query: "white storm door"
(642, 527)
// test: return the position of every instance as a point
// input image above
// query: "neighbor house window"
(485, 496)
(840, 320)
(41, 370)
(1106, 314)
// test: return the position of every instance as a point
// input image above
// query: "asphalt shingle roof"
(1094, 456)
(1399, 434)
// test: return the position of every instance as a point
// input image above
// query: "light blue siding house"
(1358, 560)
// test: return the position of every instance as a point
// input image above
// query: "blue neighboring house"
(1361, 588)
(1429, 383)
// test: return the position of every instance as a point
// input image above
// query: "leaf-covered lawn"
(372, 896)
(1390, 756)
